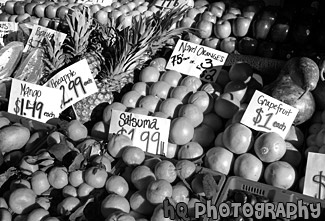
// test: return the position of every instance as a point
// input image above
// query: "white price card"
(6, 28)
(147, 132)
(267, 114)
(314, 184)
(39, 33)
(75, 83)
(34, 101)
(197, 60)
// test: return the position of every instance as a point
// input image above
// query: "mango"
(13, 137)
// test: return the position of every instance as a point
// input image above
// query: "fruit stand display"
(240, 137)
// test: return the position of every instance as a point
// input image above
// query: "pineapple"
(127, 50)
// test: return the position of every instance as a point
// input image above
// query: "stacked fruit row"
(256, 29)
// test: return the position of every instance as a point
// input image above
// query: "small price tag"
(197, 60)
(267, 114)
(314, 184)
(75, 83)
(33, 101)
(39, 33)
(149, 133)
(6, 28)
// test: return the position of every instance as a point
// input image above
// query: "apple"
(240, 26)
(211, 42)
(193, 13)
(217, 11)
(234, 10)
(250, 11)
(279, 32)
(270, 15)
(220, 5)
(228, 44)
(222, 29)
(261, 28)
(204, 29)
(247, 46)
(228, 16)
(193, 38)
(187, 22)
(266, 49)
(208, 16)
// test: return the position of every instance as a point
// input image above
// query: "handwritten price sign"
(267, 114)
(33, 101)
(75, 83)
(149, 133)
(39, 33)
(315, 176)
(197, 60)
(6, 28)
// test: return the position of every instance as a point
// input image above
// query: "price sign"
(6, 28)
(267, 114)
(33, 101)
(75, 83)
(314, 184)
(149, 133)
(2, 4)
(39, 33)
(197, 60)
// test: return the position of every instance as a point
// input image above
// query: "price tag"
(149, 133)
(314, 184)
(197, 60)
(267, 114)
(6, 28)
(101, 2)
(33, 101)
(39, 33)
(75, 83)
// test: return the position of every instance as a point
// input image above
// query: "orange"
(248, 166)
(96, 176)
(170, 107)
(165, 170)
(133, 155)
(113, 202)
(202, 100)
(103, 161)
(171, 77)
(181, 93)
(158, 190)
(139, 110)
(204, 135)
(295, 136)
(240, 71)
(76, 131)
(50, 11)
(37, 214)
(21, 199)
(39, 182)
(117, 144)
(150, 103)
(62, 11)
(101, 16)
(160, 89)
(107, 113)
(270, 147)
(219, 159)
(19, 7)
(76, 178)
(193, 83)
(226, 105)
(213, 121)
(69, 190)
(292, 155)
(141, 87)
(117, 184)
(181, 131)
(191, 150)
(140, 204)
(67, 205)
(39, 10)
(180, 193)
(9, 7)
(237, 88)
(192, 113)
(160, 62)
(141, 176)
(84, 190)
(160, 114)
(238, 138)
(280, 174)
(185, 168)
(99, 130)
(58, 177)
(130, 99)
(149, 74)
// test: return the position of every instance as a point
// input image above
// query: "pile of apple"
(47, 13)
(251, 28)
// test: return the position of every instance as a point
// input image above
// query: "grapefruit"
(248, 166)
(219, 159)
(280, 174)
